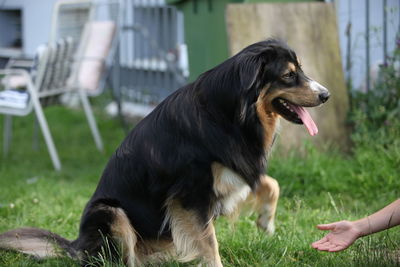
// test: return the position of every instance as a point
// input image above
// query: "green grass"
(316, 188)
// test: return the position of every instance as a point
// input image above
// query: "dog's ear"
(252, 66)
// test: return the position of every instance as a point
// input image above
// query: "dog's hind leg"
(124, 234)
(267, 195)
(192, 238)
(107, 234)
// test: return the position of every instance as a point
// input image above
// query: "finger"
(323, 240)
(322, 246)
(326, 246)
(337, 248)
(329, 226)
(331, 246)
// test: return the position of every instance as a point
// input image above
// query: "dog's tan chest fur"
(230, 188)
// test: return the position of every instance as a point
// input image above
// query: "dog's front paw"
(266, 224)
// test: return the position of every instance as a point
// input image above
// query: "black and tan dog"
(199, 154)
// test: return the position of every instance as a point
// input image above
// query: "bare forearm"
(383, 219)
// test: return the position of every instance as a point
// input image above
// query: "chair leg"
(46, 134)
(35, 138)
(91, 120)
(7, 134)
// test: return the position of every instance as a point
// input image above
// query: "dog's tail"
(38, 243)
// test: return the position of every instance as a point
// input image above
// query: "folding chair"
(52, 78)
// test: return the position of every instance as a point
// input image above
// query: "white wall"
(36, 21)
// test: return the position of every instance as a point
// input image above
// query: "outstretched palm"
(342, 235)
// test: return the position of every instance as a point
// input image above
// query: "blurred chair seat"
(14, 99)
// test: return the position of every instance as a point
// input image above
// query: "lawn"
(316, 188)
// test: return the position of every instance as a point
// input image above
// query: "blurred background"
(194, 31)
(131, 54)
(159, 45)
(77, 75)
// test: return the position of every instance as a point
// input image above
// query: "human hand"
(342, 235)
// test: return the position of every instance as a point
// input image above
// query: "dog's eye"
(289, 75)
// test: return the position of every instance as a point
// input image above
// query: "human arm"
(344, 233)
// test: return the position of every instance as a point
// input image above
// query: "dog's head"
(270, 73)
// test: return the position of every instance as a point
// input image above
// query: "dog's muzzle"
(323, 93)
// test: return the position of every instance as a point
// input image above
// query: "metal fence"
(152, 54)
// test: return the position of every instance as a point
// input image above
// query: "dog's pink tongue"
(306, 118)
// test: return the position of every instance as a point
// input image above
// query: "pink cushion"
(99, 39)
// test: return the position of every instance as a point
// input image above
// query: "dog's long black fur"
(168, 155)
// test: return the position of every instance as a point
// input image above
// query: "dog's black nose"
(324, 96)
